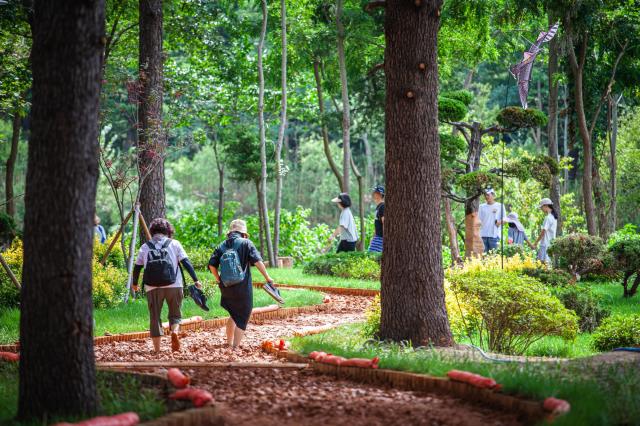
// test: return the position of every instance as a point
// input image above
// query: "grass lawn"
(118, 393)
(134, 316)
(296, 276)
(604, 396)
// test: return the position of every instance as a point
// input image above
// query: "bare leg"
(238, 334)
(175, 340)
(156, 343)
(231, 327)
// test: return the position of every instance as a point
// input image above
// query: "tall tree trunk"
(57, 363)
(151, 137)
(565, 141)
(370, 176)
(473, 246)
(11, 162)
(552, 126)
(451, 232)
(577, 69)
(220, 167)
(600, 202)
(537, 131)
(260, 218)
(346, 109)
(412, 293)
(613, 171)
(262, 190)
(363, 228)
(325, 130)
(281, 131)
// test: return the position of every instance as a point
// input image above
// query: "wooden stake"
(6, 267)
(115, 239)
(145, 228)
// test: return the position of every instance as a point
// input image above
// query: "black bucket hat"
(343, 199)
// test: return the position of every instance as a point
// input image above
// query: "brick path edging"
(344, 291)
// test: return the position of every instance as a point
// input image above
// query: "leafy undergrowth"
(297, 276)
(118, 393)
(134, 316)
(606, 395)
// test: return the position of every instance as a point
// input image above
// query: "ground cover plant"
(359, 265)
(118, 393)
(134, 316)
(299, 277)
(603, 395)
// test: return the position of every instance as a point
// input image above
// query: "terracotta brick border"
(282, 313)
(529, 411)
(333, 290)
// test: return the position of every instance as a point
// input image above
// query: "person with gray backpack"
(161, 259)
(230, 265)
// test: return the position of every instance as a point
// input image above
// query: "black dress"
(238, 299)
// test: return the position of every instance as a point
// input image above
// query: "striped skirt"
(376, 244)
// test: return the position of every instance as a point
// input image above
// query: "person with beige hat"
(548, 231)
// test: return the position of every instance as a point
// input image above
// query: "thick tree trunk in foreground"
(57, 365)
(11, 163)
(473, 246)
(346, 109)
(262, 189)
(151, 136)
(325, 130)
(281, 131)
(412, 295)
(552, 126)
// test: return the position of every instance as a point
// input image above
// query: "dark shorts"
(490, 243)
(346, 246)
(155, 299)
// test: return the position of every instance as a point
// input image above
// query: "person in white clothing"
(492, 215)
(548, 231)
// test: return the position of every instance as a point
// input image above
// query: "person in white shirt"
(492, 215)
(548, 231)
(347, 225)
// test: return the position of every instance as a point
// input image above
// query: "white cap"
(546, 202)
(490, 191)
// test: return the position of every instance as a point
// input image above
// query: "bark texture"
(552, 125)
(11, 163)
(57, 366)
(151, 136)
(412, 294)
(346, 109)
(281, 130)
(473, 246)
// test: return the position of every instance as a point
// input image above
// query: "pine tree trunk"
(363, 229)
(473, 245)
(577, 68)
(346, 109)
(151, 136)
(281, 131)
(451, 232)
(262, 189)
(370, 177)
(11, 163)
(552, 126)
(325, 131)
(412, 293)
(57, 364)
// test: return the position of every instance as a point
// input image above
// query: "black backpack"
(159, 270)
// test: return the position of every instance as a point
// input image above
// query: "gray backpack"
(231, 272)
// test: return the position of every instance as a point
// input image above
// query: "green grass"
(134, 316)
(118, 393)
(296, 276)
(602, 396)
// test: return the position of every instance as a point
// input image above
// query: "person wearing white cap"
(492, 215)
(548, 231)
(516, 234)
(347, 226)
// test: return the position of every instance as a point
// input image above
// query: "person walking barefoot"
(230, 265)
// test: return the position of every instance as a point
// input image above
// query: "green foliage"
(585, 303)
(451, 109)
(578, 253)
(199, 257)
(451, 147)
(509, 312)
(463, 96)
(9, 294)
(199, 227)
(115, 258)
(518, 118)
(624, 250)
(542, 168)
(617, 331)
(242, 153)
(629, 230)
(298, 239)
(8, 229)
(359, 265)
(372, 315)
(476, 182)
(550, 277)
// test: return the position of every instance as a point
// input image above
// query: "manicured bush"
(345, 265)
(115, 258)
(508, 312)
(464, 96)
(451, 109)
(366, 268)
(9, 294)
(625, 252)
(578, 253)
(518, 118)
(550, 277)
(617, 331)
(585, 303)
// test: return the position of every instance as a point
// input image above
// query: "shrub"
(518, 118)
(517, 263)
(345, 265)
(625, 252)
(550, 277)
(116, 257)
(451, 109)
(578, 253)
(617, 331)
(508, 312)
(585, 303)
(9, 294)
(464, 96)
(372, 319)
(8, 229)
(199, 227)
(199, 257)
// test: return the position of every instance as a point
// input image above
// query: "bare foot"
(175, 342)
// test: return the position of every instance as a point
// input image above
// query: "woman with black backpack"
(230, 265)
(161, 259)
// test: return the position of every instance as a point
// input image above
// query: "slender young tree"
(413, 304)
(262, 187)
(11, 162)
(346, 109)
(57, 364)
(552, 125)
(281, 130)
(151, 136)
